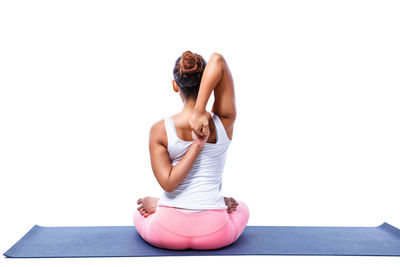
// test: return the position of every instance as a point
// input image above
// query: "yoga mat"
(124, 241)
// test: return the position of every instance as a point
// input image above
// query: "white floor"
(275, 261)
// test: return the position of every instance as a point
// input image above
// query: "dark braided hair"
(187, 72)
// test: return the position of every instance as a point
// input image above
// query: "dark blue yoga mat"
(123, 241)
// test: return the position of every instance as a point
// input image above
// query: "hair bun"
(191, 62)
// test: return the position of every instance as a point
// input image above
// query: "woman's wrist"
(197, 146)
(199, 109)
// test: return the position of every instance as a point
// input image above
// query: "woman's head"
(187, 72)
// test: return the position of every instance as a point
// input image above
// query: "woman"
(187, 153)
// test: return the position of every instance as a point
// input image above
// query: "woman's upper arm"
(224, 97)
(159, 157)
(224, 93)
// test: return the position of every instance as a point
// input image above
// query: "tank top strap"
(170, 129)
(220, 129)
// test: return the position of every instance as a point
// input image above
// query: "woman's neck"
(188, 106)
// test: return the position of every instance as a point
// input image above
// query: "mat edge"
(206, 255)
(6, 254)
(390, 228)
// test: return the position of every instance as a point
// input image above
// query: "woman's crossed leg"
(151, 231)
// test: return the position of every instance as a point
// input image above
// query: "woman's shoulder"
(158, 132)
(159, 126)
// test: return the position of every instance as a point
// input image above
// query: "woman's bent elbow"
(168, 188)
(216, 55)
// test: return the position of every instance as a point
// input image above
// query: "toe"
(140, 201)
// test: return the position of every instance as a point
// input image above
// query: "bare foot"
(149, 205)
(231, 203)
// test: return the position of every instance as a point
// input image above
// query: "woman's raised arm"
(217, 77)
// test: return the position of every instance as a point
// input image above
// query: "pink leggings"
(171, 228)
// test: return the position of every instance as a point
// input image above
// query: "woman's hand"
(199, 123)
(231, 203)
(200, 140)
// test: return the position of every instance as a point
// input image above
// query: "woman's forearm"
(182, 168)
(211, 76)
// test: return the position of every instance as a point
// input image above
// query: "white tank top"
(201, 188)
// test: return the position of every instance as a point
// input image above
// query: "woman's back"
(201, 188)
(190, 171)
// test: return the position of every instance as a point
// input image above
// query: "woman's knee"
(138, 220)
(239, 218)
(243, 209)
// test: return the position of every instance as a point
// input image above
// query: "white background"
(316, 141)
